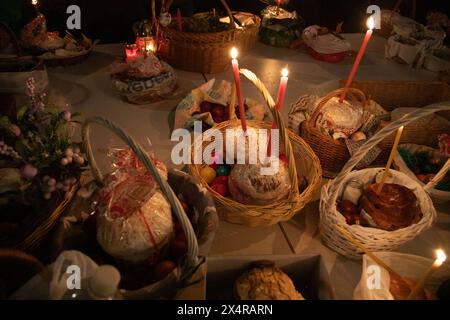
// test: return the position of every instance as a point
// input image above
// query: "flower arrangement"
(38, 159)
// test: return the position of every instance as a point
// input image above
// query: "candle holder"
(131, 51)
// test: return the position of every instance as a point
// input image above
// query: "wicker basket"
(333, 154)
(16, 268)
(44, 224)
(373, 239)
(189, 264)
(206, 52)
(438, 196)
(301, 159)
(408, 94)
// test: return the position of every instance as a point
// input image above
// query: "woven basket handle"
(382, 134)
(439, 176)
(191, 259)
(284, 136)
(352, 94)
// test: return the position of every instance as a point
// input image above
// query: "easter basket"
(206, 52)
(438, 196)
(179, 184)
(300, 158)
(331, 220)
(333, 154)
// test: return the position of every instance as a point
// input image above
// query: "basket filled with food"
(379, 208)
(427, 165)
(201, 43)
(246, 191)
(152, 224)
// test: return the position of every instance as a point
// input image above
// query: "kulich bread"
(265, 283)
(395, 207)
(248, 186)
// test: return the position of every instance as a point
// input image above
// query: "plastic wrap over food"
(340, 120)
(144, 79)
(135, 219)
(325, 43)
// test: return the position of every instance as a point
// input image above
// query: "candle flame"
(371, 23)
(440, 257)
(234, 53)
(285, 72)
(34, 2)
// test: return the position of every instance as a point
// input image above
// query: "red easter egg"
(220, 188)
(348, 207)
(220, 180)
(421, 177)
(205, 106)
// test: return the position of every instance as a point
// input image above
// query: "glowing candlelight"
(280, 101)
(237, 81)
(440, 259)
(34, 2)
(370, 25)
(391, 157)
(131, 52)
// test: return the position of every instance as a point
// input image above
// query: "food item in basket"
(37, 38)
(280, 27)
(325, 45)
(340, 120)
(265, 283)
(393, 208)
(248, 186)
(135, 219)
(144, 78)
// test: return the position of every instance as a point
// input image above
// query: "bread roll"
(265, 283)
(395, 207)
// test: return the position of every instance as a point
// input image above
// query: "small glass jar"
(353, 190)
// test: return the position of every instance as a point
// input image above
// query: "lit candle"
(440, 259)
(237, 81)
(35, 3)
(280, 101)
(370, 25)
(391, 157)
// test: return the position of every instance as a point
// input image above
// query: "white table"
(88, 89)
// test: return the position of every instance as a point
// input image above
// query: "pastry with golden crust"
(265, 283)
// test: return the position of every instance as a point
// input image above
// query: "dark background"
(111, 20)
